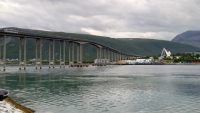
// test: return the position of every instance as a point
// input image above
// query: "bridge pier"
(51, 53)
(99, 53)
(117, 57)
(64, 53)
(22, 51)
(107, 56)
(38, 61)
(120, 56)
(79, 55)
(41, 45)
(1, 61)
(71, 54)
(104, 53)
(99, 56)
(111, 56)
(62, 58)
(3, 53)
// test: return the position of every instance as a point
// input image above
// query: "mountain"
(189, 37)
(154, 47)
(136, 46)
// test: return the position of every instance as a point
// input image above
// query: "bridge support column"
(22, 47)
(117, 57)
(73, 49)
(4, 54)
(111, 57)
(62, 55)
(97, 56)
(41, 45)
(113, 54)
(24, 53)
(38, 60)
(117, 54)
(62, 60)
(120, 56)
(50, 42)
(0, 54)
(108, 55)
(69, 47)
(114, 57)
(78, 53)
(104, 54)
(81, 53)
(51, 53)
(100, 53)
(71, 53)
(20, 53)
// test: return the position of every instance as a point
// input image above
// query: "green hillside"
(154, 47)
(134, 46)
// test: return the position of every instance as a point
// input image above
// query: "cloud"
(150, 35)
(113, 18)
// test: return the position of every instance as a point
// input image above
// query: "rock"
(3, 94)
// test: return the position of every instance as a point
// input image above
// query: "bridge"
(104, 54)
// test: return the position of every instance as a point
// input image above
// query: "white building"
(101, 61)
(165, 53)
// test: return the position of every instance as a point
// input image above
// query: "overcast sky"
(158, 19)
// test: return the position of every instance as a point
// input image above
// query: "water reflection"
(108, 90)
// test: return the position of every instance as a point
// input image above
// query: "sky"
(153, 19)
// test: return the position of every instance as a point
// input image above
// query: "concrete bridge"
(105, 55)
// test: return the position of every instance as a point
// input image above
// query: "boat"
(8, 105)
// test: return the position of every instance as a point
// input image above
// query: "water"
(111, 89)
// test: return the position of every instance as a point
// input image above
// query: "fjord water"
(110, 89)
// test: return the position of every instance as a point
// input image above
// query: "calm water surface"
(111, 89)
